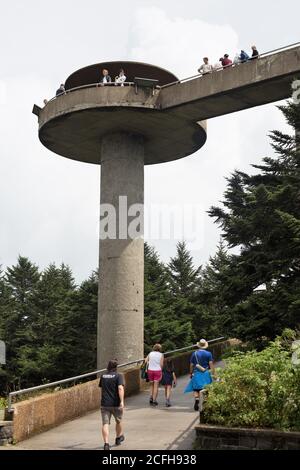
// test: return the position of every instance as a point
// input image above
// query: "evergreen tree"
(183, 276)
(53, 330)
(184, 280)
(213, 316)
(161, 323)
(83, 319)
(49, 325)
(261, 216)
(5, 306)
(156, 290)
(21, 281)
(4, 299)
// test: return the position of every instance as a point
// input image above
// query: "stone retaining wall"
(224, 438)
(6, 433)
(51, 409)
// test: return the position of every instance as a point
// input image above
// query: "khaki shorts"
(108, 412)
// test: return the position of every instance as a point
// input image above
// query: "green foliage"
(183, 277)
(49, 323)
(257, 389)
(162, 323)
(212, 312)
(3, 403)
(170, 333)
(261, 218)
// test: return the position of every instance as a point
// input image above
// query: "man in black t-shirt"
(112, 402)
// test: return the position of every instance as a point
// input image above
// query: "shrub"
(257, 389)
(3, 403)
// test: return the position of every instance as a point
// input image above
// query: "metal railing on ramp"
(91, 374)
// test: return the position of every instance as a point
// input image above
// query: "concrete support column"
(121, 260)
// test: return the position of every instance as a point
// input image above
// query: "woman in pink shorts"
(154, 361)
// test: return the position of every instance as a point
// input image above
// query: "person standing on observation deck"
(205, 67)
(106, 78)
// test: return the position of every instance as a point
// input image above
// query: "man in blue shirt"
(201, 363)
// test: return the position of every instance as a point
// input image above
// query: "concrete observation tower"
(121, 128)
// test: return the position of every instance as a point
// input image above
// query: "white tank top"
(154, 360)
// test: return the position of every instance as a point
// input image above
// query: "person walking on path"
(169, 379)
(154, 361)
(201, 366)
(112, 402)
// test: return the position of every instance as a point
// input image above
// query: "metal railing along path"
(90, 374)
(218, 69)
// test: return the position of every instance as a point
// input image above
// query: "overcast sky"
(49, 205)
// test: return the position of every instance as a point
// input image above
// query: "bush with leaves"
(258, 389)
(3, 403)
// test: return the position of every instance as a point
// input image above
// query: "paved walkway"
(145, 427)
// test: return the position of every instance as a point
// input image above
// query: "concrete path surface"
(145, 427)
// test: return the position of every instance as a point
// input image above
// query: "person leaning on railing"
(121, 78)
(244, 56)
(61, 90)
(106, 78)
(255, 52)
(225, 61)
(206, 67)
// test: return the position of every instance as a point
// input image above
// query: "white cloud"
(49, 205)
(178, 44)
(234, 141)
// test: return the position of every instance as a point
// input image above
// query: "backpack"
(144, 373)
(198, 366)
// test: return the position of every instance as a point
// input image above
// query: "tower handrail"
(90, 374)
(183, 80)
(89, 85)
(264, 54)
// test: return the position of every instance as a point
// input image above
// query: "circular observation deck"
(73, 124)
(93, 73)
